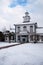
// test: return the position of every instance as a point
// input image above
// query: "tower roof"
(26, 12)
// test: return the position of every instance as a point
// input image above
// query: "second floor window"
(18, 29)
(31, 29)
(24, 28)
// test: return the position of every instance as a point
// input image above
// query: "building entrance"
(24, 38)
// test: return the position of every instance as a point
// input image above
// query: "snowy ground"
(6, 43)
(25, 54)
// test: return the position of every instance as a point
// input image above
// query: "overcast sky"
(12, 11)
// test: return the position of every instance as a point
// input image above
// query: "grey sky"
(11, 12)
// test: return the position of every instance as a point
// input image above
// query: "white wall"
(21, 28)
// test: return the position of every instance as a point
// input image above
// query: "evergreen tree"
(1, 36)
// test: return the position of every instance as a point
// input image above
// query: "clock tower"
(26, 17)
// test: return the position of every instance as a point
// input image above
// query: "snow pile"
(25, 54)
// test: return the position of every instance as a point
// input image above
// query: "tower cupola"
(26, 17)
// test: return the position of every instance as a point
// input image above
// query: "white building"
(28, 31)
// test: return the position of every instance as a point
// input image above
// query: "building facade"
(27, 31)
(9, 36)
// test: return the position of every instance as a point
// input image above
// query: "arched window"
(18, 29)
(24, 28)
(31, 29)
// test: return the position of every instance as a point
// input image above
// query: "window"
(18, 29)
(31, 29)
(37, 37)
(31, 38)
(18, 37)
(42, 38)
(24, 28)
(11, 37)
(6, 38)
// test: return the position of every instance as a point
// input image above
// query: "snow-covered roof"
(26, 23)
(12, 31)
(39, 30)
